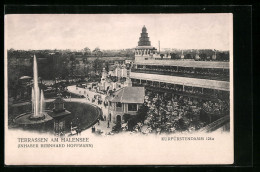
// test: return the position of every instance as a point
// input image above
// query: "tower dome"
(144, 30)
(144, 48)
(144, 39)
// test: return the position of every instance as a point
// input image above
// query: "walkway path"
(103, 125)
(90, 94)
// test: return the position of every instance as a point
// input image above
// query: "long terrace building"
(199, 79)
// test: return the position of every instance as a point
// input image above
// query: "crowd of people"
(218, 108)
(169, 113)
(179, 88)
(179, 113)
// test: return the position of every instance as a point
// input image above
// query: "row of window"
(185, 69)
(131, 106)
(181, 88)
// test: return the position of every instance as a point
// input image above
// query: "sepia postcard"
(119, 89)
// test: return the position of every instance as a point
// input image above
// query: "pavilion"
(125, 101)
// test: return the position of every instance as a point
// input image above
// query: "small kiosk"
(58, 114)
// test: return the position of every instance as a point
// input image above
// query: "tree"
(107, 66)
(72, 65)
(196, 122)
(142, 112)
(203, 56)
(97, 52)
(65, 69)
(86, 51)
(77, 67)
(163, 116)
(97, 65)
(182, 125)
(222, 56)
(173, 56)
(129, 53)
(158, 104)
(188, 56)
(85, 62)
(162, 55)
(11, 50)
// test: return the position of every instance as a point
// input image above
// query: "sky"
(117, 31)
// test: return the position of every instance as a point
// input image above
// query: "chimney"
(159, 47)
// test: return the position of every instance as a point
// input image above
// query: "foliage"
(98, 66)
(188, 56)
(173, 55)
(97, 52)
(162, 55)
(126, 117)
(203, 56)
(107, 66)
(86, 51)
(117, 127)
(142, 112)
(158, 104)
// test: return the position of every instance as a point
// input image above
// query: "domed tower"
(144, 39)
(144, 50)
(144, 30)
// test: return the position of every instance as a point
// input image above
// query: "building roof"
(129, 95)
(186, 63)
(194, 82)
(145, 47)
